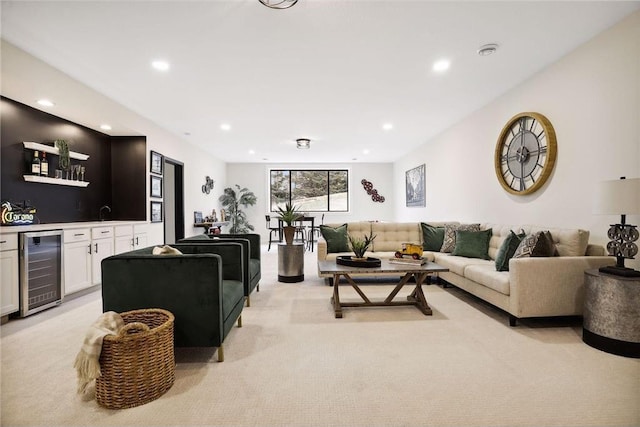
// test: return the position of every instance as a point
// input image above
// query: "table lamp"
(620, 197)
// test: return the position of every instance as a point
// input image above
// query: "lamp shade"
(618, 197)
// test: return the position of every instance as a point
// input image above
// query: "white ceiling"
(331, 71)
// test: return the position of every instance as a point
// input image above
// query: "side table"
(612, 313)
(291, 263)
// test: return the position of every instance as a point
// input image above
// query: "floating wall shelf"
(55, 181)
(53, 150)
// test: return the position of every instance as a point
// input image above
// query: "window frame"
(327, 172)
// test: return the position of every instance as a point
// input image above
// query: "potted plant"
(232, 200)
(289, 214)
(360, 245)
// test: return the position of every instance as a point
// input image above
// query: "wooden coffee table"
(406, 271)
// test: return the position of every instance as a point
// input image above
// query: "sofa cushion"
(449, 242)
(472, 244)
(232, 294)
(336, 238)
(538, 244)
(568, 242)
(457, 264)
(432, 237)
(486, 275)
(391, 235)
(507, 250)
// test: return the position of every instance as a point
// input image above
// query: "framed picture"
(156, 211)
(156, 163)
(415, 186)
(197, 217)
(156, 186)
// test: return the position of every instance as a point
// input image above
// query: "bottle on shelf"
(44, 165)
(35, 164)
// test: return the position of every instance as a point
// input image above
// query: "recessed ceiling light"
(160, 65)
(365, 151)
(387, 126)
(303, 143)
(45, 103)
(441, 65)
(252, 152)
(105, 127)
(225, 127)
(487, 49)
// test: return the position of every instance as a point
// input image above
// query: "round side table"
(612, 313)
(291, 263)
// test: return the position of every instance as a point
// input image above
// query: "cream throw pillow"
(165, 250)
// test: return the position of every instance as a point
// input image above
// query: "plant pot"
(289, 233)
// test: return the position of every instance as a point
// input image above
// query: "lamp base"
(620, 271)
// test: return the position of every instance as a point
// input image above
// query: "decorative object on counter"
(156, 163)
(208, 185)
(197, 217)
(214, 216)
(17, 214)
(415, 186)
(620, 197)
(289, 214)
(368, 186)
(223, 215)
(156, 186)
(64, 156)
(360, 245)
(232, 200)
(156, 211)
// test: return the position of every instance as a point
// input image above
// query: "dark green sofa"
(251, 245)
(203, 288)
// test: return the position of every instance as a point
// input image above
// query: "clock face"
(525, 153)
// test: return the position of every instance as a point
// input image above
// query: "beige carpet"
(294, 364)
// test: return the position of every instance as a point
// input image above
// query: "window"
(310, 190)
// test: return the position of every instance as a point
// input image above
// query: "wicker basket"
(138, 365)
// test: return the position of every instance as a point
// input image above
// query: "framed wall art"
(415, 186)
(156, 211)
(156, 186)
(156, 163)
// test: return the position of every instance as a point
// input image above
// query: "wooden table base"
(416, 298)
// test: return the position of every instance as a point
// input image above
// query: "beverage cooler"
(40, 271)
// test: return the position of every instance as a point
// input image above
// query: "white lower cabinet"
(140, 236)
(102, 246)
(9, 277)
(124, 241)
(77, 260)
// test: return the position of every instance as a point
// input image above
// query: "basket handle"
(132, 328)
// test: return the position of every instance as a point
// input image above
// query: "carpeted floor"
(294, 364)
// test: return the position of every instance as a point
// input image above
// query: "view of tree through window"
(311, 190)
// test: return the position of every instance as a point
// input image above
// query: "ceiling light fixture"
(487, 49)
(45, 103)
(278, 4)
(441, 65)
(160, 65)
(387, 126)
(303, 143)
(105, 127)
(225, 127)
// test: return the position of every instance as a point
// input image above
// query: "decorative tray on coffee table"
(358, 262)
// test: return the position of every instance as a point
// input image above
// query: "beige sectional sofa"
(533, 287)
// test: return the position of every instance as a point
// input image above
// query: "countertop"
(8, 229)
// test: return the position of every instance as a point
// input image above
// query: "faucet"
(108, 209)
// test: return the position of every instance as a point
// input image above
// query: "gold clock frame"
(552, 149)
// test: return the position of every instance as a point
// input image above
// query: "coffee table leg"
(418, 295)
(335, 300)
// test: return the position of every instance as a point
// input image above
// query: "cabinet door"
(77, 266)
(140, 240)
(9, 286)
(100, 248)
(124, 244)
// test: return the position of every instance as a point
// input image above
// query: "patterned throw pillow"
(432, 237)
(449, 242)
(472, 244)
(538, 244)
(336, 238)
(508, 249)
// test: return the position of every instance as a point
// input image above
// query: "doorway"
(173, 200)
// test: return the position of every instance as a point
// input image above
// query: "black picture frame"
(155, 186)
(197, 217)
(156, 211)
(155, 163)
(415, 188)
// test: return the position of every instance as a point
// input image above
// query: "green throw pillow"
(472, 244)
(432, 237)
(336, 238)
(507, 249)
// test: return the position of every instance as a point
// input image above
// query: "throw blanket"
(87, 362)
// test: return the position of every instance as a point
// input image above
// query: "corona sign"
(17, 215)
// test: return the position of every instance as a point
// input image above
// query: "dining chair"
(272, 230)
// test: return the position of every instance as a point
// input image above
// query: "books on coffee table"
(410, 261)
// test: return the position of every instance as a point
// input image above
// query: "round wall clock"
(525, 153)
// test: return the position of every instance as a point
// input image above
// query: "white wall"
(592, 98)
(256, 178)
